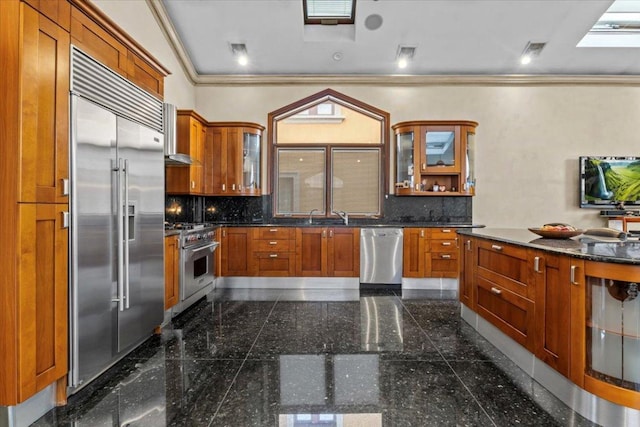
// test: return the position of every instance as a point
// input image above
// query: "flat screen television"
(609, 181)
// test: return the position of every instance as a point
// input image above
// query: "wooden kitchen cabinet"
(171, 271)
(327, 252)
(432, 153)
(430, 252)
(504, 291)
(232, 159)
(466, 279)
(273, 251)
(235, 245)
(191, 133)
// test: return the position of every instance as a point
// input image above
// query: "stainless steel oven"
(197, 260)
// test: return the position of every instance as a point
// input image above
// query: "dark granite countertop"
(354, 223)
(592, 249)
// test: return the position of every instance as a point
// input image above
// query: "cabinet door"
(275, 264)
(466, 290)
(234, 160)
(311, 252)
(171, 271)
(145, 76)
(98, 43)
(344, 252)
(553, 318)
(215, 162)
(187, 179)
(413, 247)
(59, 11)
(440, 149)
(44, 151)
(42, 297)
(250, 172)
(236, 251)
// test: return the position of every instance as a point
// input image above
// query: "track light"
(239, 50)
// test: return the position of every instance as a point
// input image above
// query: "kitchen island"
(566, 311)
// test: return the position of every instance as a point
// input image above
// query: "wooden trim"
(192, 114)
(615, 394)
(399, 127)
(236, 124)
(96, 15)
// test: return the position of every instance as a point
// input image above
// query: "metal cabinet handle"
(468, 245)
(446, 230)
(572, 277)
(65, 219)
(424, 166)
(224, 187)
(224, 233)
(446, 256)
(324, 233)
(330, 233)
(273, 255)
(273, 243)
(496, 247)
(193, 184)
(446, 243)
(273, 230)
(421, 233)
(496, 291)
(65, 186)
(536, 264)
(233, 187)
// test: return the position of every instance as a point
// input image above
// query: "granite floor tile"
(273, 358)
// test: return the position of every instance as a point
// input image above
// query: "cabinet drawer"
(443, 233)
(274, 233)
(508, 311)
(273, 245)
(443, 245)
(443, 264)
(506, 266)
(275, 264)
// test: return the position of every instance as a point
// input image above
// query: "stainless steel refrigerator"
(117, 205)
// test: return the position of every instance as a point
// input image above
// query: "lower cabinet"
(171, 271)
(327, 252)
(235, 248)
(430, 252)
(34, 298)
(466, 288)
(273, 251)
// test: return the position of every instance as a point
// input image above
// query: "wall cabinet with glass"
(434, 158)
(232, 154)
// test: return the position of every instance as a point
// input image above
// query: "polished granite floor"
(316, 358)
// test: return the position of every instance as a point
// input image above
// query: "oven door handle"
(212, 245)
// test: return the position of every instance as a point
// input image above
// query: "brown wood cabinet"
(432, 153)
(191, 133)
(232, 159)
(504, 291)
(466, 280)
(236, 252)
(430, 252)
(103, 40)
(327, 252)
(273, 251)
(171, 271)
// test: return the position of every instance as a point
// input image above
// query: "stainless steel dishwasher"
(381, 255)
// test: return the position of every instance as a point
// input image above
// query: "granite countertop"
(168, 233)
(355, 224)
(589, 248)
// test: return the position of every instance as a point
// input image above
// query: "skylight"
(619, 26)
(329, 12)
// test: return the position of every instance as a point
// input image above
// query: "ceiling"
(455, 37)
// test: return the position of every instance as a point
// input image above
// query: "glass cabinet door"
(404, 158)
(250, 161)
(440, 148)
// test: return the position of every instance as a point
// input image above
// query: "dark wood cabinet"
(327, 252)
(343, 252)
(466, 279)
(414, 255)
(235, 245)
(311, 252)
(188, 179)
(430, 252)
(273, 251)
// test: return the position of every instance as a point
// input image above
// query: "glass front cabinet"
(435, 158)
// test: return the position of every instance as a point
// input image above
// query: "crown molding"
(160, 13)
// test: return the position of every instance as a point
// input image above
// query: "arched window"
(328, 154)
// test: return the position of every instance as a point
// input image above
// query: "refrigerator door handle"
(126, 233)
(120, 214)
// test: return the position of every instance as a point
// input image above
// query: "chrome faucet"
(343, 215)
(311, 215)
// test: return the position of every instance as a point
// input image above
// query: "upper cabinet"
(232, 155)
(191, 134)
(434, 158)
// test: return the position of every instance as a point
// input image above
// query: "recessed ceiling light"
(239, 50)
(404, 55)
(531, 50)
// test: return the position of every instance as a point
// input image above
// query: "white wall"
(528, 140)
(135, 17)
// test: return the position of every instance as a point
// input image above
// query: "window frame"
(328, 20)
(344, 101)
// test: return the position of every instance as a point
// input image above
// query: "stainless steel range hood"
(171, 156)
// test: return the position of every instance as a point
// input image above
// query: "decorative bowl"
(556, 234)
